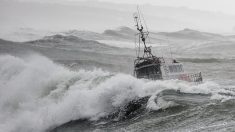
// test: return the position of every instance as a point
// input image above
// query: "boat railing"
(190, 77)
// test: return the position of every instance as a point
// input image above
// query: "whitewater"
(37, 94)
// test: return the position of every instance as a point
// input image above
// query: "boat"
(149, 66)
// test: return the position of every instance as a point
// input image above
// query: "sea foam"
(37, 94)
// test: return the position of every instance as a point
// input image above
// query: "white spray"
(37, 94)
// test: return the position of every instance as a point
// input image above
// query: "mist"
(98, 16)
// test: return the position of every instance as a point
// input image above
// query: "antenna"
(143, 35)
(144, 20)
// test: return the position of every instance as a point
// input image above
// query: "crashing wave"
(37, 94)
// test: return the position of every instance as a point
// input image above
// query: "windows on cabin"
(176, 68)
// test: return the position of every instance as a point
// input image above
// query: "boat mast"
(142, 34)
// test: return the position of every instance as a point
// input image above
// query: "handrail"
(190, 77)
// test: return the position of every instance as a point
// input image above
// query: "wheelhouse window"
(176, 68)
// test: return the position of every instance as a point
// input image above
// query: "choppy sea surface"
(39, 94)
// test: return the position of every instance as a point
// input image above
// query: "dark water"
(58, 99)
(194, 115)
(65, 94)
(209, 109)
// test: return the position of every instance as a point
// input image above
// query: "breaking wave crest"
(37, 94)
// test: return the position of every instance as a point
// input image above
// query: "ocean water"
(37, 95)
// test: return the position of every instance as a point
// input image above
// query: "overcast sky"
(225, 6)
(99, 15)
